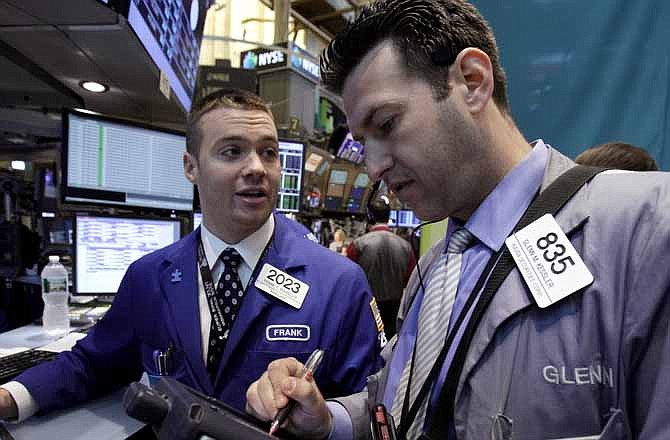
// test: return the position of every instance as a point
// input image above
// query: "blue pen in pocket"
(162, 363)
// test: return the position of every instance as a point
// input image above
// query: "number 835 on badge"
(549, 264)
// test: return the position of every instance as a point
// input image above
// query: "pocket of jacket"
(615, 429)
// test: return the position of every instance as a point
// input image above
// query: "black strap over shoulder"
(549, 201)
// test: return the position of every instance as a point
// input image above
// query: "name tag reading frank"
(548, 262)
(282, 286)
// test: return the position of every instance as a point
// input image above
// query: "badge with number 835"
(549, 264)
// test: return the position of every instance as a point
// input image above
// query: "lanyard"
(210, 288)
(408, 414)
(551, 200)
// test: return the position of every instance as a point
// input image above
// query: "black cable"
(370, 217)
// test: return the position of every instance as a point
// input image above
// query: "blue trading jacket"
(152, 311)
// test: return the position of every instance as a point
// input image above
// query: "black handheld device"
(178, 412)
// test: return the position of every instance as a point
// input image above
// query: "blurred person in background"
(618, 155)
(387, 260)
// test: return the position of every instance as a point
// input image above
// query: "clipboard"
(179, 412)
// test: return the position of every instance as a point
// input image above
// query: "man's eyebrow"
(236, 138)
(367, 120)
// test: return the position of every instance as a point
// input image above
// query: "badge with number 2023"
(549, 264)
(282, 286)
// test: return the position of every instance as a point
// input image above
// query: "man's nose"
(255, 165)
(377, 160)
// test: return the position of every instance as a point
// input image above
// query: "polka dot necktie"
(228, 299)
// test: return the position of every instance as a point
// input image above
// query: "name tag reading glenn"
(282, 286)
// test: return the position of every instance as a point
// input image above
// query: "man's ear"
(191, 168)
(473, 69)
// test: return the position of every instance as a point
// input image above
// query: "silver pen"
(307, 372)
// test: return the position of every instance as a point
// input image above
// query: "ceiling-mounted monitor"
(351, 150)
(171, 32)
(107, 161)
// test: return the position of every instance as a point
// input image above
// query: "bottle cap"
(54, 258)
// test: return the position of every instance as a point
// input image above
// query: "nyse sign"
(271, 58)
(260, 59)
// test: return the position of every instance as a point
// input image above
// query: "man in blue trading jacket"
(278, 294)
(582, 350)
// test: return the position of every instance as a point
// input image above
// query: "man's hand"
(8, 408)
(282, 381)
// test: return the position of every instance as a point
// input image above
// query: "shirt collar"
(501, 210)
(250, 248)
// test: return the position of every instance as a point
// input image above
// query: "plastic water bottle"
(55, 296)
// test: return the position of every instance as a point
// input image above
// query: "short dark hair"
(226, 98)
(429, 35)
(618, 155)
(381, 211)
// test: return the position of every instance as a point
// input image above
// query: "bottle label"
(51, 285)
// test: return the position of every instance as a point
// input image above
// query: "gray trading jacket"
(597, 363)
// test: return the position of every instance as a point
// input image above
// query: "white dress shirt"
(250, 249)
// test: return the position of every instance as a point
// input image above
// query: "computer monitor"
(197, 219)
(393, 217)
(104, 247)
(335, 193)
(360, 185)
(351, 150)
(407, 219)
(171, 32)
(113, 162)
(292, 156)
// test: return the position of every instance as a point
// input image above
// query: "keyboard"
(15, 364)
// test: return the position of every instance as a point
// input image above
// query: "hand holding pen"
(307, 373)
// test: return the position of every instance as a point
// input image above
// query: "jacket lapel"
(182, 297)
(512, 297)
(280, 255)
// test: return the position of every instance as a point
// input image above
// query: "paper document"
(63, 344)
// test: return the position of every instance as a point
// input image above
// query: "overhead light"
(94, 86)
(18, 165)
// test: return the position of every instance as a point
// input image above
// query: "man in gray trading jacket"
(424, 91)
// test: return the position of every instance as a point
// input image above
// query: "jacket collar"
(512, 296)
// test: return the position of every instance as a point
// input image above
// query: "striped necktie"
(433, 323)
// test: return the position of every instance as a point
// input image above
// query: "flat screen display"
(111, 162)
(407, 219)
(105, 246)
(357, 192)
(197, 220)
(171, 31)
(351, 150)
(292, 157)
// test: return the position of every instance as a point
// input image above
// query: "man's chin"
(252, 218)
